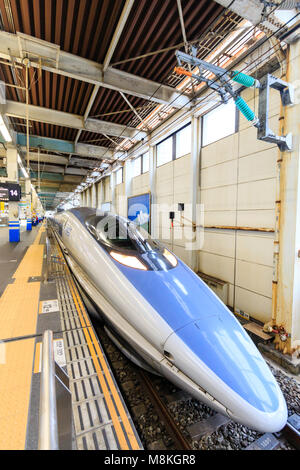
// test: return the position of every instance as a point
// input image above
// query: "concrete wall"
(140, 184)
(238, 189)
(173, 187)
(107, 190)
(120, 200)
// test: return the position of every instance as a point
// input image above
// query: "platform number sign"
(10, 192)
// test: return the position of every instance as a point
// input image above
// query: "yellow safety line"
(15, 384)
(18, 317)
(38, 237)
(110, 405)
(18, 309)
(123, 415)
(36, 367)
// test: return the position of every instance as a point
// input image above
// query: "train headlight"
(171, 258)
(131, 261)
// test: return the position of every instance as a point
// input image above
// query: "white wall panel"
(219, 152)
(140, 184)
(220, 218)
(221, 242)
(258, 166)
(216, 199)
(249, 143)
(255, 248)
(257, 195)
(219, 175)
(257, 306)
(254, 277)
(218, 266)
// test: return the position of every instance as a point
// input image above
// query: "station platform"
(38, 293)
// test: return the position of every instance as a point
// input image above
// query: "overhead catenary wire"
(260, 43)
(212, 93)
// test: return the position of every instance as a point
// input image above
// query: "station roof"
(94, 50)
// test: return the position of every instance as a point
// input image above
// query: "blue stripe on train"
(209, 329)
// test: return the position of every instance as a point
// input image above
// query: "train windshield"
(118, 232)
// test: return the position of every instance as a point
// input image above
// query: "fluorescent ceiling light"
(24, 172)
(4, 131)
(22, 167)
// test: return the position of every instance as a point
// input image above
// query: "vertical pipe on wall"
(194, 187)
(113, 191)
(288, 292)
(100, 198)
(152, 182)
(93, 196)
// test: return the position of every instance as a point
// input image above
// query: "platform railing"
(55, 413)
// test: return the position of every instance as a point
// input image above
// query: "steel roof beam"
(83, 163)
(65, 146)
(47, 158)
(60, 118)
(49, 57)
(76, 171)
(118, 31)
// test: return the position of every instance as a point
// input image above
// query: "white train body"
(161, 313)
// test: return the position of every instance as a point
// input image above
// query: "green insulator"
(244, 108)
(243, 79)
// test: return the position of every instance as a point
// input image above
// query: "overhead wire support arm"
(221, 84)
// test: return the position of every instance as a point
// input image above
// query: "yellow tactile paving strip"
(95, 351)
(15, 382)
(38, 237)
(31, 265)
(18, 310)
(97, 355)
(18, 317)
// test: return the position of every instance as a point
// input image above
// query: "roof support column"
(128, 178)
(194, 215)
(28, 204)
(93, 196)
(85, 198)
(88, 197)
(288, 291)
(113, 191)
(152, 181)
(13, 207)
(100, 198)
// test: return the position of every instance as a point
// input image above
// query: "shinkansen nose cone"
(210, 346)
(218, 354)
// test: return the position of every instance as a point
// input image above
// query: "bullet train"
(165, 318)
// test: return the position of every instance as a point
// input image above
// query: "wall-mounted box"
(219, 287)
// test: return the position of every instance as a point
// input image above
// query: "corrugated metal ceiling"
(86, 28)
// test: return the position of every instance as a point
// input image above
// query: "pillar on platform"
(100, 193)
(93, 190)
(13, 207)
(28, 204)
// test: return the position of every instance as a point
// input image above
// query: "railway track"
(180, 441)
(157, 427)
(152, 398)
(146, 391)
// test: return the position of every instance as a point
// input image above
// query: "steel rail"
(182, 443)
(292, 435)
